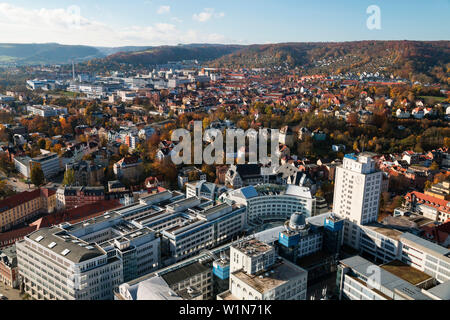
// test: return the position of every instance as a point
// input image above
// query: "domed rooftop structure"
(297, 221)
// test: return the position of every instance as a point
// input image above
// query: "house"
(418, 113)
(203, 189)
(402, 114)
(287, 136)
(338, 148)
(303, 133)
(129, 168)
(319, 135)
(243, 175)
(189, 174)
(430, 207)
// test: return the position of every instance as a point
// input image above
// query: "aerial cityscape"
(189, 151)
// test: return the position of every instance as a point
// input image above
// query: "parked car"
(2, 297)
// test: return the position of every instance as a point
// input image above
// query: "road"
(11, 294)
(19, 186)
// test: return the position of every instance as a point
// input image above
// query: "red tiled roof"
(72, 216)
(9, 238)
(18, 199)
(433, 201)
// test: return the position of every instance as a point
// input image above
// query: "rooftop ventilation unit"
(65, 252)
(52, 245)
(39, 238)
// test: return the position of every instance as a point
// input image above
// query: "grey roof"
(387, 279)
(297, 219)
(319, 220)
(184, 273)
(9, 256)
(269, 236)
(298, 191)
(429, 246)
(153, 289)
(79, 250)
(441, 291)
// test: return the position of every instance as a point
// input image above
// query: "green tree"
(37, 176)
(69, 177)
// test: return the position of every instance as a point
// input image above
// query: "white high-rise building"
(357, 194)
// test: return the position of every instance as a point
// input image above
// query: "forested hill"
(420, 60)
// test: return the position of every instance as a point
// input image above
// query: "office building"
(54, 265)
(269, 202)
(257, 274)
(357, 194)
(359, 279)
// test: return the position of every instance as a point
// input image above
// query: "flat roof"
(252, 247)
(386, 231)
(387, 279)
(184, 273)
(441, 291)
(406, 272)
(428, 246)
(278, 275)
(65, 245)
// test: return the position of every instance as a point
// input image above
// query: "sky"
(115, 23)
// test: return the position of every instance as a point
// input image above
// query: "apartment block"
(24, 206)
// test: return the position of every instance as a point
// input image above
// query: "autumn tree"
(123, 150)
(37, 176)
(69, 177)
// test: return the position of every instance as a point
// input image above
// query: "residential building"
(243, 175)
(430, 206)
(9, 272)
(24, 206)
(189, 174)
(203, 189)
(129, 168)
(72, 197)
(86, 173)
(46, 111)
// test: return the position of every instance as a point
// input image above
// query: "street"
(11, 294)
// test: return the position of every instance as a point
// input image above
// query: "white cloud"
(207, 14)
(175, 19)
(163, 9)
(68, 26)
